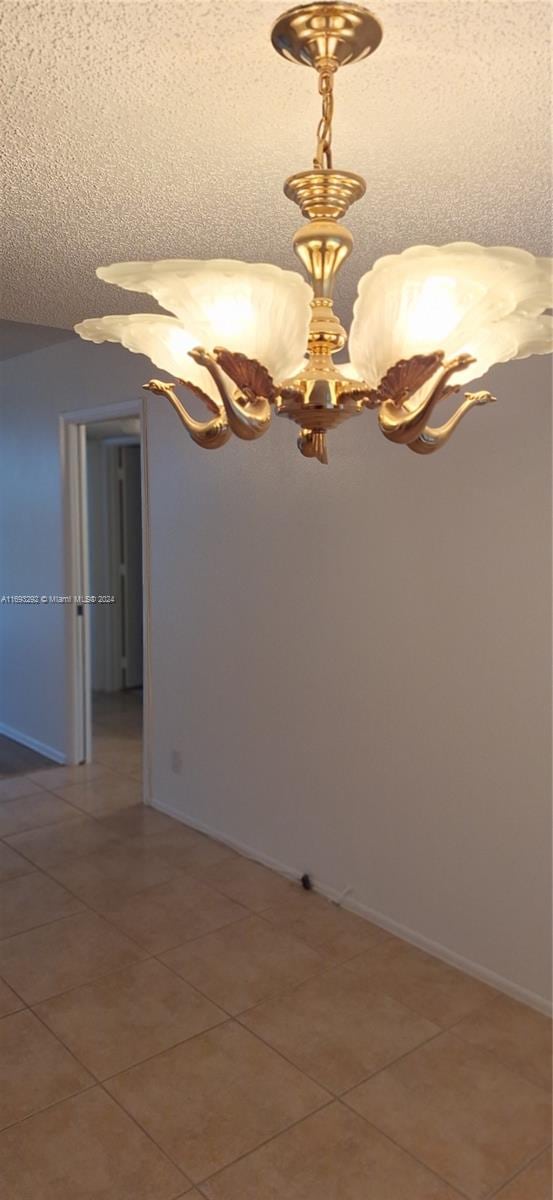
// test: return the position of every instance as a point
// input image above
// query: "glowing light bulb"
(231, 316)
(180, 341)
(436, 310)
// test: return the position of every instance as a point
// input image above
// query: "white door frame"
(78, 723)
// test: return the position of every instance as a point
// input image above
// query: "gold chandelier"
(250, 339)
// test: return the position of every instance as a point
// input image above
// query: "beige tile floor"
(176, 1021)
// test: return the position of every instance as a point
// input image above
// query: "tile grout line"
(335, 1100)
(404, 1149)
(41, 924)
(246, 1153)
(343, 1099)
(155, 954)
(265, 1142)
(101, 1080)
(168, 1049)
(320, 946)
(86, 905)
(519, 1171)
(40, 796)
(325, 1086)
(496, 1059)
(150, 1137)
(331, 968)
(86, 910)
(66, 861)
(94, 1086)
(46, 1107)
(349, 965)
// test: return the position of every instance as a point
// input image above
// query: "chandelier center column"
(325, 36)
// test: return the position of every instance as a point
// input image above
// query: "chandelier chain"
(323, 153)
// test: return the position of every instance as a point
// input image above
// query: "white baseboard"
(500, 982)
(32, 743)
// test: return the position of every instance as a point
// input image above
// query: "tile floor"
(17, 759)
(177, 1021)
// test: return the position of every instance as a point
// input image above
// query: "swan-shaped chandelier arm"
(247, 408)
(433, 439)
(210, 435)
(404, 422)
(244, 410)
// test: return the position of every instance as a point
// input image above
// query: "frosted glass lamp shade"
(488, 302)
(255, 308)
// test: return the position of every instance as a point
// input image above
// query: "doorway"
(106, 511)
(113, 469)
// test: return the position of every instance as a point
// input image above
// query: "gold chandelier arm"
(432, 439)
(248, 374)
(207, 434)
(404, 425)
(248, 416)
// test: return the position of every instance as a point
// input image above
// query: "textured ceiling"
(165, 128)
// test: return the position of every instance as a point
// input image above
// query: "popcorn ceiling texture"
(165, 128)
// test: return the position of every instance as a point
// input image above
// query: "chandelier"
(251, 339)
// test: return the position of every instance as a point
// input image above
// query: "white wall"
(34, 390)
(354, 662)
